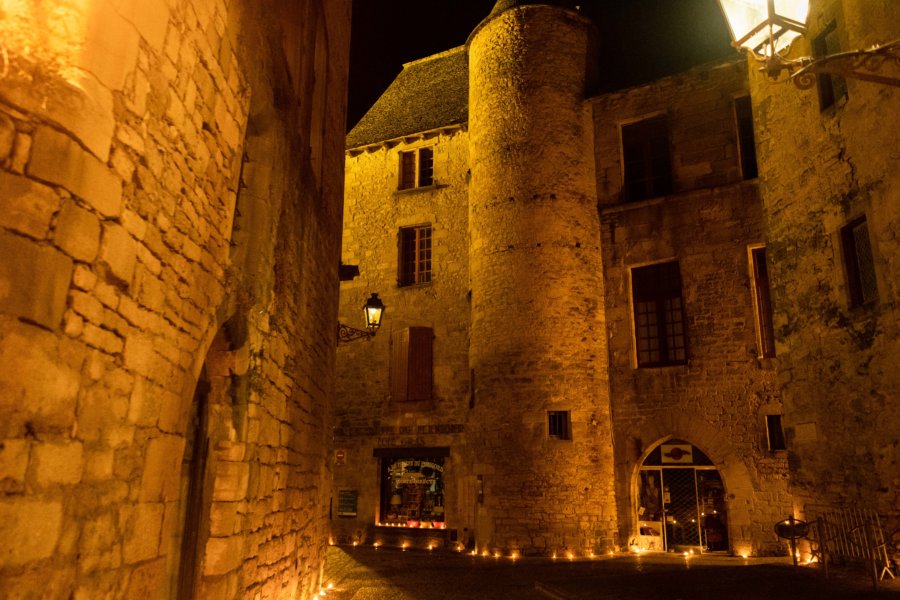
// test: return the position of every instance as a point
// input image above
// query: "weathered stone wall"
(538, 338)
(819, 170)
(366, 416)
(719, 399)
(124, 129)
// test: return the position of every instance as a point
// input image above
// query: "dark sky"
(640, 39)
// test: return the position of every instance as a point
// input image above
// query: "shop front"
(681, 502)
(412, 495)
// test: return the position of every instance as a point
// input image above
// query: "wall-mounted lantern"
(766, 28)
(374, 310)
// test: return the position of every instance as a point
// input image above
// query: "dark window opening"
(426, 167)
(746, 139)
(412, 492)
(645, 154)
(831, 87)
(764, 325)
(559, 424)
(775, 433)
(858, 262)
(659, 322)
(415, 255)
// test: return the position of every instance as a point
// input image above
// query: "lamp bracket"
(866, 65)
(346, 334)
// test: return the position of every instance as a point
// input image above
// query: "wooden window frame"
(746, 137)
(660, 324)
(762, 301)
(859, 266)
(416, 168)
(647, 151)
(414, 255)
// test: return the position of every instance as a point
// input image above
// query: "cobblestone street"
(364, 573)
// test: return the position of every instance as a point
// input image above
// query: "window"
(775, 433)
(559, 425)
(659, 329)
(765, 330)
(831, 87)
(858, 262)
(411, 357)
(412, 491)
(416, 168)
(645, 155)
(746, 142)
(415, 255)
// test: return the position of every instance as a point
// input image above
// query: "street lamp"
(766, 28)
(374, 310)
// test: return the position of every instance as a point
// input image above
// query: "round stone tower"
(538, 343)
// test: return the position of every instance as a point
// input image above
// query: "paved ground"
(364, 573)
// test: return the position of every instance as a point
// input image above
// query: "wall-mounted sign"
(340, 456)
(682, 454)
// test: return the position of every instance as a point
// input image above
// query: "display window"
(412, 492)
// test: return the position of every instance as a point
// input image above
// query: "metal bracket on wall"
(346, 334)
(866, 65)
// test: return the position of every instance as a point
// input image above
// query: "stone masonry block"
(57, 158)
(26, 206)
(57, 463)
(35, 526)
(78, 232)
(231, 481)
(39, 379)
(34, 285)
(142, 524)
(119, 251)
(162, 467)
(7, 136)
(222, 555)
(110, 46)
(13, 461)
(150, 17)
(80, 104)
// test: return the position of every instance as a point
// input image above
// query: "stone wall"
(718, 400)
(129, 132)
(818, 171)
(538, 340)
(366, 416)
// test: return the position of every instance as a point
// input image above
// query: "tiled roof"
(428, 94)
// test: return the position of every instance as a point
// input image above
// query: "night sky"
(640, 39)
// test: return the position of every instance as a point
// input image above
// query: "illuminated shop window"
(416, 168)
(412, 492)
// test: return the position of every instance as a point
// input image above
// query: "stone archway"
(736, 477)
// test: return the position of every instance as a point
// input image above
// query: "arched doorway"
(680, 501)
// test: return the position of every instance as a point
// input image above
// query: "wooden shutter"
(411, 364)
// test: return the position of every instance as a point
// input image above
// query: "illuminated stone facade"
(531, 302)
(170, 193)
(822, 169)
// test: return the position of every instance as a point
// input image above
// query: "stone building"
(170, 205)
(829, 180)
(577, 354)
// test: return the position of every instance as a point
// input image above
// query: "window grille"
(659, 315)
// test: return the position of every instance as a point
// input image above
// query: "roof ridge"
(431, 57)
